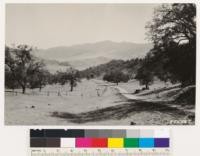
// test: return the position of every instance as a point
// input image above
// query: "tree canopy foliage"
(144, 73)
(173, 32)
(70, 76)
(116, 77)
(22, 68)
(173, 23)
(128, 67)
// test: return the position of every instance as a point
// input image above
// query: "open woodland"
(155, 89)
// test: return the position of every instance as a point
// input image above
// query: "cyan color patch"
(146, 142)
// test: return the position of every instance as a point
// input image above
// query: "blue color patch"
(146, 142)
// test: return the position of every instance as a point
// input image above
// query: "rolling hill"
(83, 56)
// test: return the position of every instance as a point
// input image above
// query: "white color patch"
(67, 142)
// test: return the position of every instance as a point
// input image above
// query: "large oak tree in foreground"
(173, 32)
(21, 66)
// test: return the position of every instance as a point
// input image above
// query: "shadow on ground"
(119, 112)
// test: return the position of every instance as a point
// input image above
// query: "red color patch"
(99, 142)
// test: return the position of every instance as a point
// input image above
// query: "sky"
(50, 25)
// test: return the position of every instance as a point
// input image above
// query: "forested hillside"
(129, 67)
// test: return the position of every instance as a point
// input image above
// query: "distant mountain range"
(90, 54)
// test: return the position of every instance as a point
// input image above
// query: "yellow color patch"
(115, 142)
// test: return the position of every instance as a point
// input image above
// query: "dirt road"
(126, 111)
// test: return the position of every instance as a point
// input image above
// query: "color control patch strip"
(101, 138)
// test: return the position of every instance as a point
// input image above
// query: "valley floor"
(93, 102)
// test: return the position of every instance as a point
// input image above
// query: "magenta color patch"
(83, 142)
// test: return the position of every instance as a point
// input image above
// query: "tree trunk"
(40, 88)
(71, 84)
(71, 87)
(23, 90)
(146, 86)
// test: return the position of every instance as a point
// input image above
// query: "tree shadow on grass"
(119, 112)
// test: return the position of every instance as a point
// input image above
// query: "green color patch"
(131, 142)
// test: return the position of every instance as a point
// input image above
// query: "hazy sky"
(49, 25)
